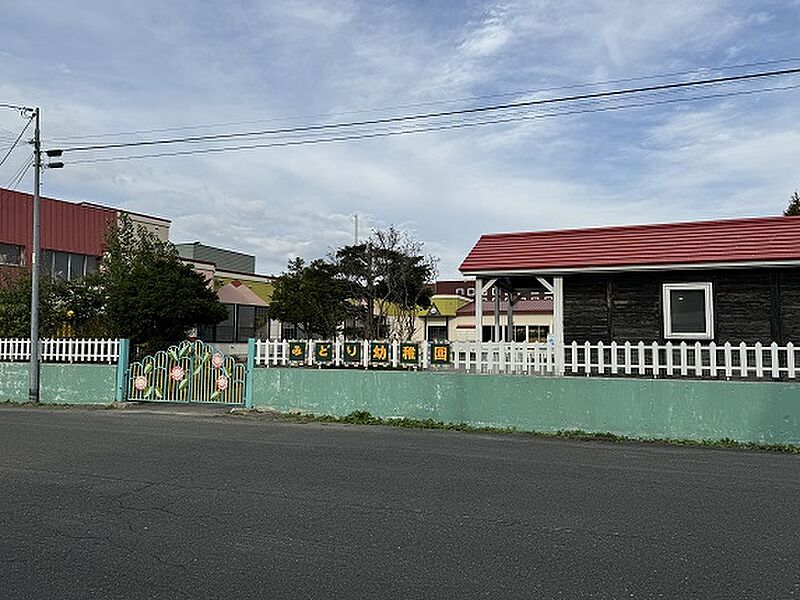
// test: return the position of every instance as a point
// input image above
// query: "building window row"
(242, 323)
(522, 333)
(57, 265)
(67, 266)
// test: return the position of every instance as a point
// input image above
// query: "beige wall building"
(452, 318)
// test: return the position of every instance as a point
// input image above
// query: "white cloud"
(155, 65)
(491, 33)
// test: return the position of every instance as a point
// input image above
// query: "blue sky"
(112, 66)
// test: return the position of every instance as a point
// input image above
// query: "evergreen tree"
(793, 209)
(151, 297)
(310, 296)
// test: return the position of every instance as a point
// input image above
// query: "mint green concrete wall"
(60, 383)
(763, 412)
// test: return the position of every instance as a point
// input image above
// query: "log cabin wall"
(750, 305)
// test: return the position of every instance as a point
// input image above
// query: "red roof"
(522, 307)
(65, 226)
(699, 242)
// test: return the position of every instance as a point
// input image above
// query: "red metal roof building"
(71, 233)
(726, 280)
(732, 242)
(66, 227)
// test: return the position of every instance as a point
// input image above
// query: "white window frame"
(704, 286)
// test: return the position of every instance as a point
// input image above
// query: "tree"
(310, 296)
(387, 276)
(793, 209)
(149, 295)
(15, 305)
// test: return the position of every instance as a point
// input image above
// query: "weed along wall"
(60, 383)
(759, 412)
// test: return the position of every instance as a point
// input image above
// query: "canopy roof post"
(480, 289)
(510, 318)
(478, 310)
(497, 291)
(558, 322)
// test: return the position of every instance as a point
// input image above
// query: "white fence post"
(728, 360)
(698, 359)
(712, 358)
(670, 359)
(656, 368)
(774, 360)
(759, 360)
(743, 359)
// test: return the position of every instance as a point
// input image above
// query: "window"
(245, 322)
(61, 265)
(225, 329)
(437, 332)
(688, 311)
(262, 323)
(538, 333)
(11, 254)
(290, 331)
(519, 333)
(66, 265)
(77, 264)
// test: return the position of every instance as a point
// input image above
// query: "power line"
(17, 170)
(438, 102)
(19, 137)
(20, 173)
(440, 114)
(424, 129)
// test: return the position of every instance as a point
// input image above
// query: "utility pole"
(33, 387)
(355, 227)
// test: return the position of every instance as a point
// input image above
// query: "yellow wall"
(261, 289)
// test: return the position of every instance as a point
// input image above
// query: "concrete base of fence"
(60, 383)
(759, 412)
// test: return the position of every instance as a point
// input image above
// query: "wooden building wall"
(750, 305)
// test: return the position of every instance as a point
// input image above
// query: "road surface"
(123, 504)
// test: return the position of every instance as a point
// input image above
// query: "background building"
(245, 294)
(72, 233)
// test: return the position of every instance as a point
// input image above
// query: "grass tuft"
(362, 417)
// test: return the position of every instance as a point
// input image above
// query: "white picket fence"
(512, 358)
(652, 360)
(683, 360)
(69, 350)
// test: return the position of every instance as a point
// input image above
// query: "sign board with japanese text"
(380, 353)
(297, 352)
(351, 353)
(409, 353)
(323, 352)
(440, 353)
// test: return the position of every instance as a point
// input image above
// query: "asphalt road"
(118, 504)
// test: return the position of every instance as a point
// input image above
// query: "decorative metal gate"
(188, 372)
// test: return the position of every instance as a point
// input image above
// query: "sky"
(105, 67)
